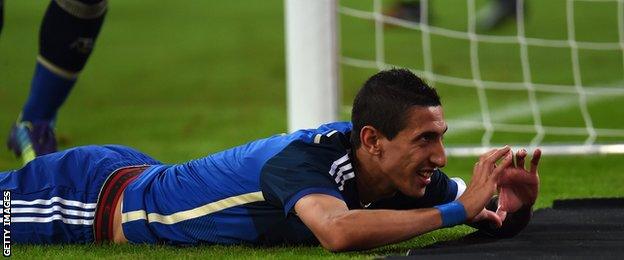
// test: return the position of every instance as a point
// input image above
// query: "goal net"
(553, 76)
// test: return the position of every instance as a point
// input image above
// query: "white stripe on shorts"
(65, 202)
(53, 218)
(77, 213)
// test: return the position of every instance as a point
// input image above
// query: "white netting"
(488, 126)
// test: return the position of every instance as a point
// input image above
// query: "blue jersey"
(246, 194)
(242, 195)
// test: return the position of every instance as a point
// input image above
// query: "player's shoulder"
(314, 150)
(332, 133)
(300, 145)
(319, 157)
(325, 143)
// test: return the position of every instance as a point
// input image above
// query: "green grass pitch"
(180, 80)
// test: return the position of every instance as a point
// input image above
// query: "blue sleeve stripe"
(314, 190)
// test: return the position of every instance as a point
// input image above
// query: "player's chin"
(415, 191)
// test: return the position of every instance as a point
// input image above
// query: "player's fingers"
(479, 164)
(502, 215)
(506, 162)
(516, 177)
(520, 156)
(535, 160)
(497, 155)
(478, 173)
(476, 169)
(494, 217)
(487, 154)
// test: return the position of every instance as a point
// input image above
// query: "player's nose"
(438, 156)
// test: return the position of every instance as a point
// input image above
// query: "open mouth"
(425, 174)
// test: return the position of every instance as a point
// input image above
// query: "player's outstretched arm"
(339, 229)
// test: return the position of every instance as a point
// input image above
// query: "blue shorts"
(54, 197)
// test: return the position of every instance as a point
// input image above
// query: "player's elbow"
(338, 238)
(336, 243)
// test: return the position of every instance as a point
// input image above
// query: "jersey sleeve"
(289, 176)
(440, 190)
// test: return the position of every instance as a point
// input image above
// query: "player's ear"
(369, 137)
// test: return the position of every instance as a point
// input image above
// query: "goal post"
(311, 63)
(314, 60)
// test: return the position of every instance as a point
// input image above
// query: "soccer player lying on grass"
(328, 185)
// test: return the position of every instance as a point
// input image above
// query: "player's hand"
(495, 218)
(484, 181)
(518, 187)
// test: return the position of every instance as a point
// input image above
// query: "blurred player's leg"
(1, 14)
(66, 39)
(407, 10)
(495, 13)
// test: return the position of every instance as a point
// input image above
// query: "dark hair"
(385, 99)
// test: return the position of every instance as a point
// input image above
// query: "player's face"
(415, 152)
